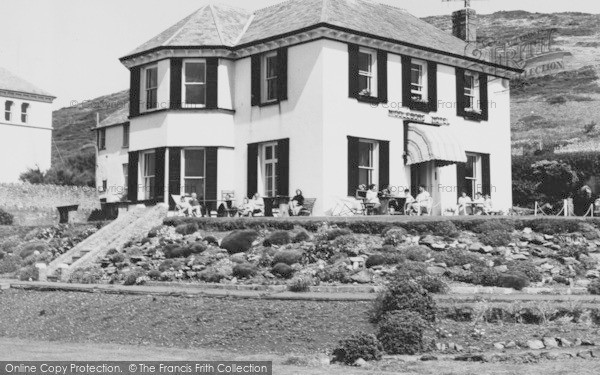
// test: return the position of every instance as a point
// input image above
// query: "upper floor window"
(102, 139)
(194, 83)
(126, 135)
(151, 87)
(24, 115)
(367, 69)
(7, 110)
(270, 77)
(472, 92)
(471, 95)
(418, 81)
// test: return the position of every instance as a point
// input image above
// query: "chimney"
(464, 25)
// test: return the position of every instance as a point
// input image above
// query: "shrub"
(484, 276)
(239, 241)
(187, 228)
(445, 229)
(409, 271)
(394, 236)
(154, 274)
(375, 260)
(165, 265)
(495, 238)
(488, 226)
(515, 281)
(9, 264)
(554, 226)
(288, 257)
(594, 287)
(174, 251)
(196, 248)
(117, 258)
(455, 257)
(210, 275)
(244, 270)
(332, 234)
(403, 294)
(301, 237)
(401, 332)
(131, 278)
(361, 345)
(211, 240)
(31, 248)
(30, 273)
(433, 284)
(6, 218)
(154, 231)
(90, 275)
(416, 253)
(300, 285)
(282, 270)
(525, 267)
(280, 237)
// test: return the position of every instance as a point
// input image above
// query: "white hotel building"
(321, 95)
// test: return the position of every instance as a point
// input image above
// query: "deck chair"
(307, 208)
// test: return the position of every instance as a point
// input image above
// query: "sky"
(71, 47)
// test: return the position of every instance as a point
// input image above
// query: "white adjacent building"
(320, 95)
(25, 127)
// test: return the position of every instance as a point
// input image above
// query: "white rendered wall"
(109, 165)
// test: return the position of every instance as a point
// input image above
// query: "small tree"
(556, 179)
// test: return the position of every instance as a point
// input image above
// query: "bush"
(154, 231)
(183, 251)
(394, 236)
(117, 258)
(278, 238)
(210, 275)
(433, 284)
(375, 260)
(455, 257)
(300, 285)
(401, 332)
(361, 345)
(492, 225)
(403, 294)
(239, 241)
(188, 228)
(131, 278)
(594, 287)
(416, 253)
(154, 274)
(30, 273)
(244, 270)
(9, 264)
(554, 226)
(409, 271)
(332, 234)
(495, 238)
(525, 267)
(90, 275)
(301, 237)
(446, 229)
(32, 247)
(282, 270)
(515, 281)
(288, 257)
(211, 240)
(6, 218)
(484, 276)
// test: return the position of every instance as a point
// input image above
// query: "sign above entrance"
(419, 117)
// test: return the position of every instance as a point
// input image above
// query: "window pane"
(194, 185)
(364, 177)
(195, 72)
(151, 99)
(271, 66)
(416, 74)
(364, 83)
(151, 77)
(269, 152)
(272, 89)
(8, 105)
(364, 61)
(194, 163)
(470, 167)
(149, 165)
(195, 94)
(365, 154)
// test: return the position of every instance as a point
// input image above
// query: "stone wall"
(36, 204)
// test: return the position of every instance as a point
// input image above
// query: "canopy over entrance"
(433, 143)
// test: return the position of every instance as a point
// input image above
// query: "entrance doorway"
(426, 174)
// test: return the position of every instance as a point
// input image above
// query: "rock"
(585, 354)
(538, 239)
(439, 246)
(527, 230)
(476, 247)
(440, 346)
(565, 343)
(487, 249)
(595, 353)
(587, 343)
(519, 257)
(467, 266)
(501, 269)
(510, 345)
(363, 277)
(428, 240)
(550, 342)
(577, 342)
(471, 358)
(428, 357)
(360, 362)
(535, 344)
(592, 274)
(436, 270)
(499, 346)
(549, 355)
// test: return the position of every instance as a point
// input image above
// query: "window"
(194, 83)
(367, 81)
(270, 77)
(102, 139)
(472, 92)
(367, 163)
(104, 185)
(269, 167)
(24, 108)
(194, 171)
(148, 174)
(418, 80)
(151, 87)
(125, 176)
(473, 180)
(126, 135)
(7, 110)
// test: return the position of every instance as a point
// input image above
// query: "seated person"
(488, 208)
(372, 197)
(226, 208)
(297, 203)
(258, 205)
(408, 204)
(245, 209)
(464, 204)
(478, 203)
(183, 206)
(195, 206)
(423, 201)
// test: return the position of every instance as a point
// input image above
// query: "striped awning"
(433, 143)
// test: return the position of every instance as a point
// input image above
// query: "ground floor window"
(125, 177)
(473, 175)
(269, 169)
(367, 162)
(148, 174)
(193, 174)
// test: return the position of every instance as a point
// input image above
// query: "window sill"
(267, 104)
(474, 116)
(368, 99)
(419, 106)
(203, 109)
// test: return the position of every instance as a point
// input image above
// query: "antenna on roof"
(467, 2)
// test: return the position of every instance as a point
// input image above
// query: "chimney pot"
(464, 25)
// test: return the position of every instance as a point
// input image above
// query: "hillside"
(552, 109)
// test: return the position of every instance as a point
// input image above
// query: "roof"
(218, 25)
(10, 82)
(120, 116)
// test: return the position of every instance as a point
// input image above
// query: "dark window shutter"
(282, 60)
(255, 78)
(212, 82)
(283, 167)
(406, 95)
(384, 164)
(174, 174)
(176, 71)
(159, 174)
(353, 71)
(252, 177)
(352, 166)
(382, 76)
(211, 177)
(460, 178)
(483, 96)
(134, 91)
(432, 86)
(485, 174)
(460, 92)
(414, 179)
(132, 176)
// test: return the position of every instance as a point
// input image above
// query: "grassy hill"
(549, 109)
